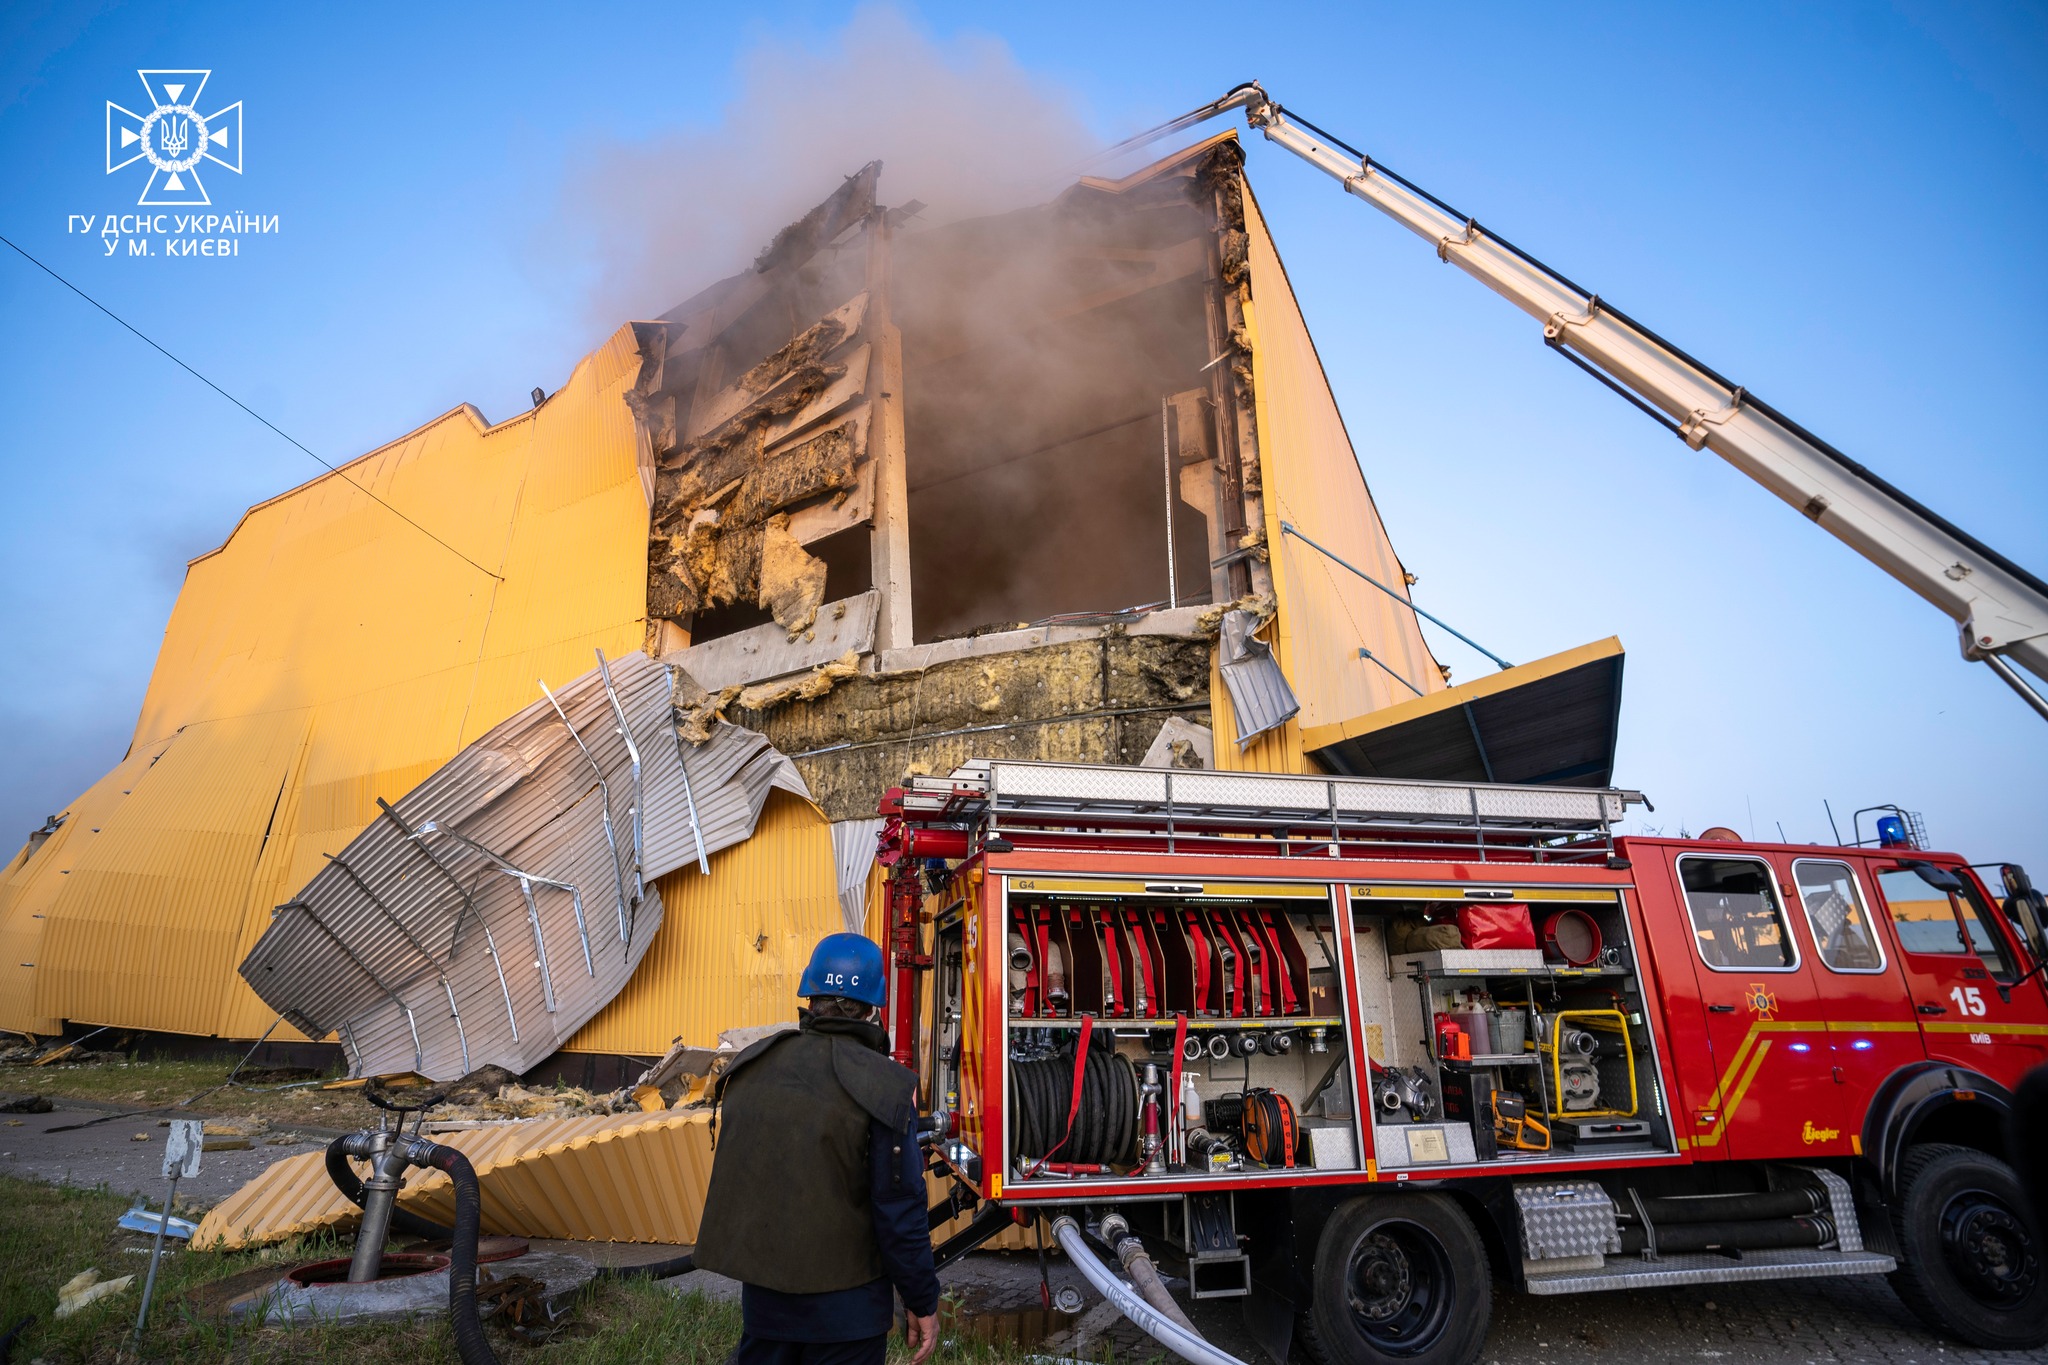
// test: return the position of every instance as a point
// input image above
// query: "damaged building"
(1065, 483)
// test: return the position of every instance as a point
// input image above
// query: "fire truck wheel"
(1968, 1266)
(1398, 1278)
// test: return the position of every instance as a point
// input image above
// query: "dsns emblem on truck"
(174, 137)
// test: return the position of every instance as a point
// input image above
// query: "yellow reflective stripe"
(1395, 891)
(1074, 887)
(1985, 1026)
(1749, 1064)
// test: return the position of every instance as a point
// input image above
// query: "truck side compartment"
(1351, 1051)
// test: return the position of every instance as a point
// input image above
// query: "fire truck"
(1350, 1049)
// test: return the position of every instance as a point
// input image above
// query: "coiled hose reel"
(1106, 1123)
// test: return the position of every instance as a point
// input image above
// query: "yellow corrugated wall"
(731, 946)
(29, 885)
(328, 654)
(1312, 478)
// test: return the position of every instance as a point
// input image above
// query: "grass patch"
(48, 1233)
(110, 1079)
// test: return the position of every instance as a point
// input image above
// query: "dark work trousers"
(756, 1351)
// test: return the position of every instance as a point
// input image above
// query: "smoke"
(957, 123)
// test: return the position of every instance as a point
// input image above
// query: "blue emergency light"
(1891, 832)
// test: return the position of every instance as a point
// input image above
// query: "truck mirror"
(2024, 907)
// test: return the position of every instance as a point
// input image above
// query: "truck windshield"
(1931, 921)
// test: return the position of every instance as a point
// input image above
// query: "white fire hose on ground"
(1155, 1324)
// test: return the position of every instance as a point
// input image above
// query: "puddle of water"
(1018, 1327)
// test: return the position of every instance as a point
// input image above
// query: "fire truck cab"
(1352, 1050)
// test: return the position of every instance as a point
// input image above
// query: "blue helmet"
(848, 965)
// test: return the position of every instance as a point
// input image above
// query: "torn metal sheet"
(853, 853)
(495, 908)
(1260, 697)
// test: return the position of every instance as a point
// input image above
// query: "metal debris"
(1260, 697)
(499, 905)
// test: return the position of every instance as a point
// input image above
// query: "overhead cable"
(161, 350)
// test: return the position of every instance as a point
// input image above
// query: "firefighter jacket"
(790, 1206)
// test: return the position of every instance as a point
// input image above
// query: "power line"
(251, 411)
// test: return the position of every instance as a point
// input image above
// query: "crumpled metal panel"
(632, 1177)
(1260, 698)
(636, 1177)
(853, 852)
(490, 912)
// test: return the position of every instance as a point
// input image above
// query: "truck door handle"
(1934, 1009)
(1720, 1009)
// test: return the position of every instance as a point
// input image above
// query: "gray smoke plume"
(957, 123)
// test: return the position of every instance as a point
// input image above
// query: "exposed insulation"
(809, 687)
(1260, 605)
(715, 494)
(698, 711)
(1098, 701)
(792, 581)
(825, 463)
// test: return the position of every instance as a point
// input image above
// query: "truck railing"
(1169, 810)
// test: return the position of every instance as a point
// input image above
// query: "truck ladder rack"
(1178, 810)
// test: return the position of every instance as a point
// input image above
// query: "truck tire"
(1400, 1277)
(1968, 1267)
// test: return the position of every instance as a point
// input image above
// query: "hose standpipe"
(389, 1153)
(1180, 1340)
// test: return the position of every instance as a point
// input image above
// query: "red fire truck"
(1352, 1049)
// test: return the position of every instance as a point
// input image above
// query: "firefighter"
(817, 1199)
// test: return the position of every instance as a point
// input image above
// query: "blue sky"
(1839, 206)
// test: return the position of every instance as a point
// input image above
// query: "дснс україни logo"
(174, 137)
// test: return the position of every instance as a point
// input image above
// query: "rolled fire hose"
(1188, 1345)
(1138, 1265)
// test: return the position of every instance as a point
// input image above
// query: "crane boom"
(2001, 610)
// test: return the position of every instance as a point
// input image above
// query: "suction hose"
(1138, 1265)
(1182, 1341)
(651, 1270)
(470, 1344)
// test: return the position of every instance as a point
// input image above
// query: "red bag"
(1496, 926)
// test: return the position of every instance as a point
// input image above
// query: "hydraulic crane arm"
(1999, 607)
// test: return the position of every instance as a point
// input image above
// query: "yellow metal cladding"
(1311, 477)
(609, 1178)
(31, 883)
(731, 946)
(328, 654)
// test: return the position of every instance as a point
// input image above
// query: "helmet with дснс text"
(848, 965)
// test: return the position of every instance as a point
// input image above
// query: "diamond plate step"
(1708, 1268)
